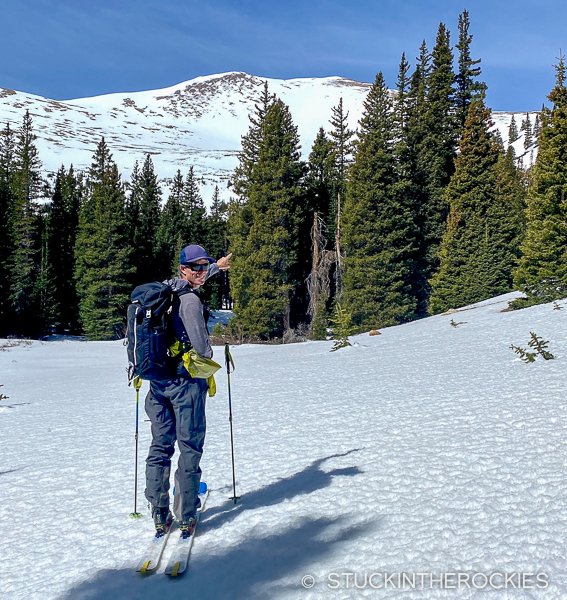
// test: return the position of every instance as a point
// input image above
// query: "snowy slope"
(427, 449)
(195, 123)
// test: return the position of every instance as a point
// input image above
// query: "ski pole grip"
(228, 358)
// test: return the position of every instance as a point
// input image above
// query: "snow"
(196, 123)
(427, 449)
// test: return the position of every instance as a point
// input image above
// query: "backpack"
(149, 333)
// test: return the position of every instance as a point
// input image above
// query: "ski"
(179, 558)
(152, 556)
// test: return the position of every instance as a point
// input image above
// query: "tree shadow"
(12, 470)
(311, 479)
(246, 571)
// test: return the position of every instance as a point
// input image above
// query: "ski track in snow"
(427, 449)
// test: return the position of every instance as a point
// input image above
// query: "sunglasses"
(197, 267)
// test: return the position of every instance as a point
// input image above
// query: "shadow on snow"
(255, 567)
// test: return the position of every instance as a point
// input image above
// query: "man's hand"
(223, 262)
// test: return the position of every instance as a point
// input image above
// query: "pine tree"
(527, 129)
(145, 236)
(263, 231)
(542, 270)
(172, 228)
(511, 194)
(467, 86)
(103, 251)
(59, 251)
(341, 138)
(475, 257)
(252, 142)
(319, 180)
(412, 171)
(437, 149)
(194, 208)
(6, 224)
(537, 128)
(27, 187)
(133, 202)
(216, 245)
(377, 227)
(513, 134)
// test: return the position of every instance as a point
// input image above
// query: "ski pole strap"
(228, 358)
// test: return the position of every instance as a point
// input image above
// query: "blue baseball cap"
(193, 253)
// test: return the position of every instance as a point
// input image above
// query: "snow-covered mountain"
(197, 123)
(430, 449)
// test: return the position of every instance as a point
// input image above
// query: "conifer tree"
(194, 208)
(378, 231)
(133, 201)
(251, 143)
(319, 180)
(58, 252)
(513, 134)
(467, 86)
(437, 149)
(527, 129)
(216, 245)
(475, 256)
(410, 178)
(173, 227)
(542, 270)
(6, 223)
(511, 193)
(145, 236)
(27, 187)
(263, 231)
(537, 128)
(103, 252)
(341, 138)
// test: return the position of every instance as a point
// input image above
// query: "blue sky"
(66, 49)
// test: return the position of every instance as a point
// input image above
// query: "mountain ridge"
(198, 122)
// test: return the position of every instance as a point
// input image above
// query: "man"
(176, 406)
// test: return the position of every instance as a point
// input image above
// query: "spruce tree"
(542, 270)
(6, 223)
(195, 209)
(319, 180)
(341, 138)
(216, 245)
(412, 170)
(437, 150)
(173, 226)
(527, 129)
(475, 257)
(27, 187)
(513, 134)
(467, 86)
(145, 236)
(263, 231)
(537, 128)
(104, 266)
(59, 252)
(378, 232)
(251, 143)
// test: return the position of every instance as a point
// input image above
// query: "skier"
(176, 406)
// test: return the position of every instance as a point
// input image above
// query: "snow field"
(427, 449)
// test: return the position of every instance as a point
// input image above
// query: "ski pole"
(136, 514)
(229, 362)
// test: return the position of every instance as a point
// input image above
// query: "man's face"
(195, 278)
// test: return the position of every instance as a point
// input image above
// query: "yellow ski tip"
(175, 569)
(145, 567)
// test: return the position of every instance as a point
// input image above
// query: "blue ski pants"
(176, 408)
